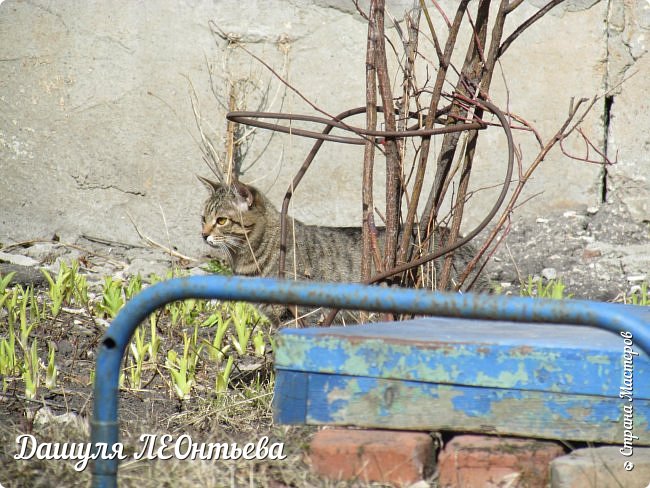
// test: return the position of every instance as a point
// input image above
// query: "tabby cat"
(244, 227)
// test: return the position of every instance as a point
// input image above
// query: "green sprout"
(258, 343)
(221, 384)
(8, 357)
(69, 285)
(183, 368)
(52, 372)
(244, 318)
(30, 374)
(4, 283)
(553, 289)
(112, 300)
(133, 287)
(216, 349)
(139, 349)
(639, 296)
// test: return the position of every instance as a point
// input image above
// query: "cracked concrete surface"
(96, 122)
(628, 131)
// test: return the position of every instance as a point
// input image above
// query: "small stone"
(420, 484)
(549, 274)
(147, 267)
(601, 466)
(636, 278)
(635, 289)
(541, 220)
(44, 252)
(591, 253)
(198, 271)
(592, 210)
(17, 259)
(64, 347)
(569, 213)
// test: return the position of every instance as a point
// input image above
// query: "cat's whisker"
(233, 243)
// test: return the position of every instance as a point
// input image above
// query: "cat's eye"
(221, 220)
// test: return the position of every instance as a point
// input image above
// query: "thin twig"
(405, 250)
(530, 21)
(153, 243)
(369, 150)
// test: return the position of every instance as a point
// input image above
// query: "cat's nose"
(205, 231)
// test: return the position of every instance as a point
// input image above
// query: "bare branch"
(530, 21)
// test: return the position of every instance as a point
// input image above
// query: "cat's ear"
(212, 186)
(245, 193)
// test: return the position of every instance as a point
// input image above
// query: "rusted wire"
(252, 119)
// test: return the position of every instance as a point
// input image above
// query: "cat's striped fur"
(244, 226)
(241, 223)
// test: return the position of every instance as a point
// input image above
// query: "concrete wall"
(96, 121)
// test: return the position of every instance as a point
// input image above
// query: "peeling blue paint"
(555, 339)
(485, 353)
(411, 405)
(482, 407)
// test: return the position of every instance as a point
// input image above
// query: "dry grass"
(61, 414)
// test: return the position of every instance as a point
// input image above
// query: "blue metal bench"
(506, 378)
(374, 375)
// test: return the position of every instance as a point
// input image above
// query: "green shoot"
(139, 349)
(52, 372)
(133, 287)
(135, 374)
(112, 300)
(183, 368)
(217, 350)
(179, 370)
(554, 289)
(30, 371)
(25, 326)
(4, 282)
(244, 319)
(639, 296)
(68, 285)
(80, 289)
(258, 343)
(223, 377)
(13, 311)
(56, 292)
(8, 357)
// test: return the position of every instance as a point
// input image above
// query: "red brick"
(395, 457)
(469, 461)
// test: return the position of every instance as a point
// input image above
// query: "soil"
(598, 253)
